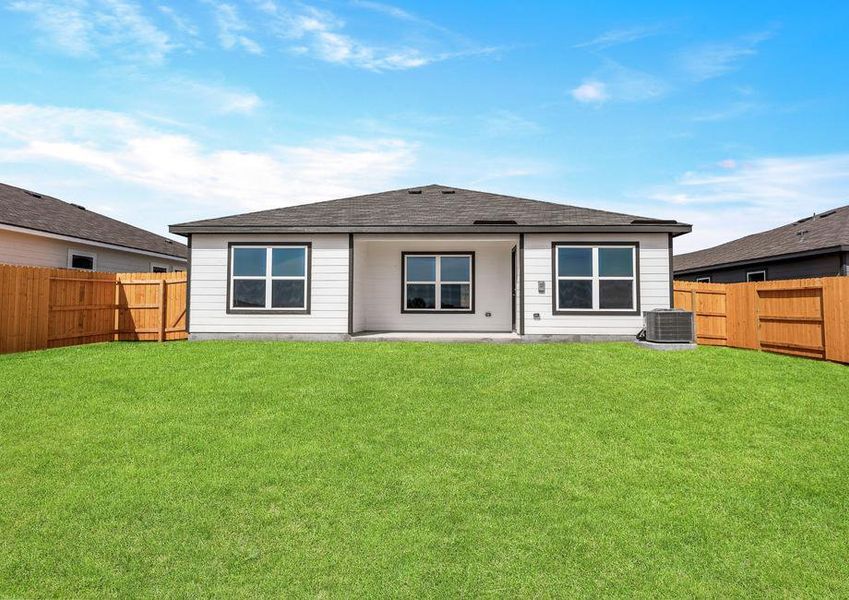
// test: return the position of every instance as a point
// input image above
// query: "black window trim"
(269, 311)
(601, 312)
(437, 311)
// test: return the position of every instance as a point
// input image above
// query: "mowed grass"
(421, 470)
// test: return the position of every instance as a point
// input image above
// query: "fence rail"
(47, 308)
(802, 317)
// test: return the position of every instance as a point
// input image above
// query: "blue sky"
(732, 116)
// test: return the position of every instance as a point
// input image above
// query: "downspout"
(671, 276)
(350, 284)
(188, 286)
(521, 284)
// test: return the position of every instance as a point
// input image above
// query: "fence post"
(161, 310)
(117, 325)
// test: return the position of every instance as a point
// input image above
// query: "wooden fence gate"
(48, 308)
(802, 317)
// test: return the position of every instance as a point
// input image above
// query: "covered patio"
(435, 283)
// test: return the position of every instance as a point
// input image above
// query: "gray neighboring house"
(816, 246)
(434, 259)
(42, 231)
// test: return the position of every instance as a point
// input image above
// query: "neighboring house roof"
(429, 208)
(824, 232)
(31, 210)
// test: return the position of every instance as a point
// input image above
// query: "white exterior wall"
(377, 285)
(37, 251)
(377, 276)
(329, 288)
(654, 285)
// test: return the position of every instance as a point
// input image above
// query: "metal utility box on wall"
(669, 325)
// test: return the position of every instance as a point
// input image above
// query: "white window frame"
(750, 273)
(437, 282)
(73, 252)
(159, 265)
(596, 279)
(268, 278)
(702, 279)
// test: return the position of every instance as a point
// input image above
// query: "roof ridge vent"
(33, 194)
(447, 191)
(827, 214)
(77, 206)
(414, 191)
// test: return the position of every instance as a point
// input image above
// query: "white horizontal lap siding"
(654, 285)
(377, 298)
(328, 287)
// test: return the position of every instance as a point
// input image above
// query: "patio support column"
(521, 284)
(350, 284)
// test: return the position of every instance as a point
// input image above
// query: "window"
(756, 276)
(273, 277)
(595, 278)
(82, 260)
(438, 282)
(702, 279)
(158, 268)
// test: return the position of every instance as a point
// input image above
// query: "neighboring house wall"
(37, 251)
(654, 286)
(329, 284)
(377, 301)
(824, 265)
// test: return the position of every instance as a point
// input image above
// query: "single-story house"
(815, 246)
(427, 259)
(42, 231)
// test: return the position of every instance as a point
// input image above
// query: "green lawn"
(365, 469)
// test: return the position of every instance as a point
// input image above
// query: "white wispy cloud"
(217, 98)
(320, 34)
(617, 37)
(707, 61)
(180, 22)
(387, 9)
(591, 92)
(82, 28)
(507, 123)
(732, 111)
(615, 82)
(232, 29)
(746, 196)
(130, 151)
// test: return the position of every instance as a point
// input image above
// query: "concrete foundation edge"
(669, 347)
(341, 337)
(271, 337)
(536, 338)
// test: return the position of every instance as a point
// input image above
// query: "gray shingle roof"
(429, 206)
(828, 229)
(32, 210)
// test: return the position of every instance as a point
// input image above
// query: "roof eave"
(762, 259)
(675, 229)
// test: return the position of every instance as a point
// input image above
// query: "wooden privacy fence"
(803, 317)
(47, 308)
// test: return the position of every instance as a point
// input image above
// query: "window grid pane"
(288, 262)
